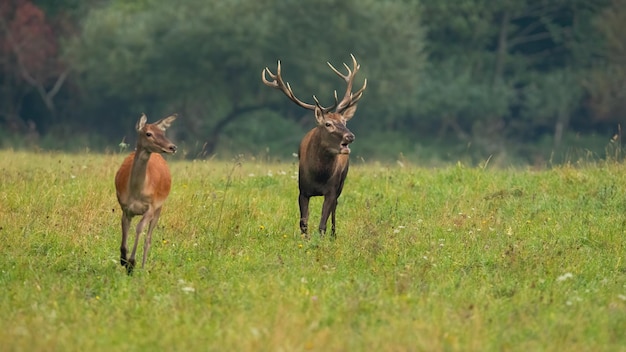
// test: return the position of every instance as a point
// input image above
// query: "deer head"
(151, 137)
(334, 122)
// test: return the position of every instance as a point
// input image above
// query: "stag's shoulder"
(307, 145)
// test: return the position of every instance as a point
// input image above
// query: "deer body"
(142, 185)
(323, 167)
(324, 152)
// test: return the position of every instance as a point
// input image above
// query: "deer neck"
(138, 171)
(323, 147)
(317, 156)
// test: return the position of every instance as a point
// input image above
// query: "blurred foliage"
(605, 81)
(493, 75)
(194, 58)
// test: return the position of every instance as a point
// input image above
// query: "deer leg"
(148, 241)
(131, 261)
(124, 247)
(303, 201)
(332, 219)
(330, 203)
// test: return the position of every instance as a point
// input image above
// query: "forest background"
(515, 82)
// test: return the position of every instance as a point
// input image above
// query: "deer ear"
(165, 123)
(349, 112)
(141, 122)
(319, 115)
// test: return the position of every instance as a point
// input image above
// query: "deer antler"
(349, 98)
(278, 83)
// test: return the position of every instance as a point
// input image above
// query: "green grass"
(426, 259)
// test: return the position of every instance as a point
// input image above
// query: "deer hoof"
(130, 265)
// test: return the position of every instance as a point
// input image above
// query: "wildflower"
(300, 245)
(188, 289)
(261, 227)
(185, 287)
(565, 277)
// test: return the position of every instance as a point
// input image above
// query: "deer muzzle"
(171, 149)
(345, 141)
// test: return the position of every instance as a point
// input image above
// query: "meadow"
(450, 258)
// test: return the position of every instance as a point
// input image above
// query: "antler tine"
(349, 98)
(324, 109)
(356, 96)
(278, 83)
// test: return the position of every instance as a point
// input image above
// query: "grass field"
(426, 259)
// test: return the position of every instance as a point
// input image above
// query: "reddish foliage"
(27, 39)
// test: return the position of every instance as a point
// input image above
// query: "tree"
(29, 63)
(191, 57)
(605, 79)
(520, 54)
(565, 94)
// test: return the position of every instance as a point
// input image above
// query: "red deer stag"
(143, 183)
(324, 152)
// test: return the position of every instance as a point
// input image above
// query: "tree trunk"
(502, 47)
(213, 138)
(560, 126)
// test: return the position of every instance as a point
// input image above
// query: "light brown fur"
(142, 185)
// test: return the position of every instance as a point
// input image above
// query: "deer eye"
(148, 134)
(328, 124)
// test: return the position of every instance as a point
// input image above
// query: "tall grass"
(437, 259)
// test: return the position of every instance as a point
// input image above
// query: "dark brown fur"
(323, 165)
(324, 152)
